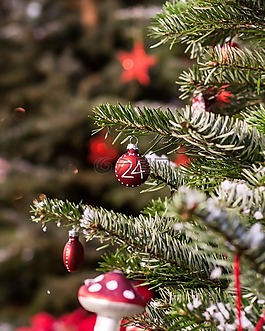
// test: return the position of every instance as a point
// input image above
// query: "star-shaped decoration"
(136, 64)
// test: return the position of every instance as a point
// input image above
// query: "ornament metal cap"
(73, 233)
(132, 146)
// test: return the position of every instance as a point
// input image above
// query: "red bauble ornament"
(101, 152)
(212, 99)
(181, 158)
(73, 253)
(132, 169)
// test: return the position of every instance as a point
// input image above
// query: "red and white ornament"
(73, 253)
(111, 296)
(212, 99)
(132, 169)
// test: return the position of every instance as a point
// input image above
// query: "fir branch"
(226, 56)
(202, 173)
(255, 176)
(218, 135)
(256, 117)
(208, 174)
(157, 312)
(214, 311)
(256, 5)
(241, 70)
(249, 243)
(171, 311)
(133, 120)
(45, 210)
(207, 22)
(155, 207)
(208, 134)
(156, 272)
(194, 308)
(245, 199)
(162, 174)
(154, 237)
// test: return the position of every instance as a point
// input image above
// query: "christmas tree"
(202, 248)
(50, 77)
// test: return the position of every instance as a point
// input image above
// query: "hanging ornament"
(213, 99)
(181, 158)
(73, 253)
(136, 64)
(132, 169)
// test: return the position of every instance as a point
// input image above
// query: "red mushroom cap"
(112, 295)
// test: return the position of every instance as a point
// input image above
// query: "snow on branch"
(249, 242)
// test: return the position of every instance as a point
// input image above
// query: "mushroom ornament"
(111, 296)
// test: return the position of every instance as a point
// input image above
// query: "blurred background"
(59, 59)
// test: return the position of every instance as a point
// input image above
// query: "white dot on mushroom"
(128, 294)
(88, 281)
(94, 288)
(112, 285)
(99, 278)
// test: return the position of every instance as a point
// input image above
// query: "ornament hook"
(132, 145)
(74, 232)
(131, 140)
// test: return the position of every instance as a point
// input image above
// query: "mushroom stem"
(104, 323)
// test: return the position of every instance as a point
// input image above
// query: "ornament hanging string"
(260, 322)
(136, 140)
(238, 290)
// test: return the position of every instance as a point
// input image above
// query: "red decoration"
(112, 296)
(260, 322)
(132, 169)
(212, 99)
(136, 64)
(43, 321)
(73, 318)
(87, 324)
(181, 158)
(238, 291)
(101, 152)
(73, 253)
(78, 320)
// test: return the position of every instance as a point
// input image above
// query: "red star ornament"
(136, 64)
